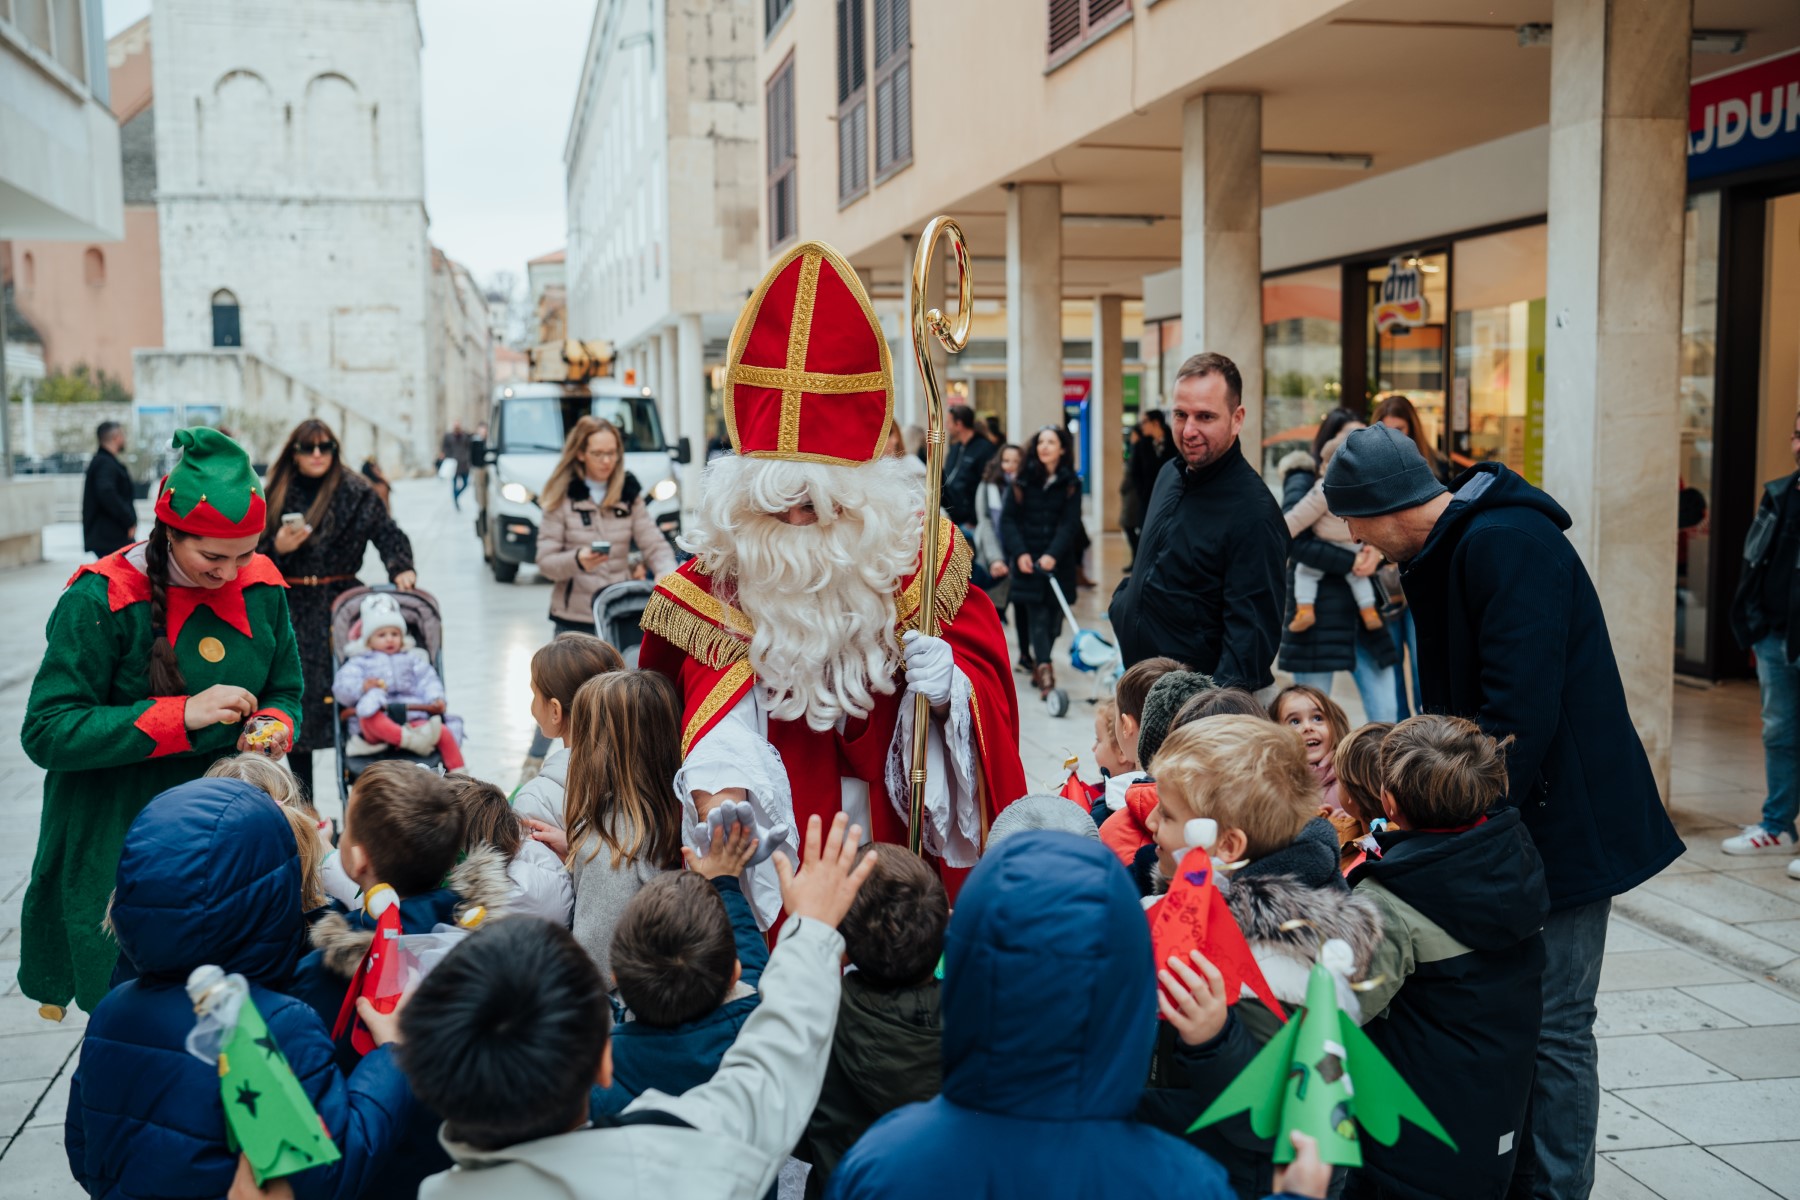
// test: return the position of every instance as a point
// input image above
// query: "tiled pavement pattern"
(1700, 997)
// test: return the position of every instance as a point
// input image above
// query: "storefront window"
(1406, 343)
(1303, 335)
(1699, 342)
(1497, 393)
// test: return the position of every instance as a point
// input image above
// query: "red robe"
(703, 645)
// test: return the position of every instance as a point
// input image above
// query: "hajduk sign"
(1745, 117)
(1402, 304)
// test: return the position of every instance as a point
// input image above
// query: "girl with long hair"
(337, 515)
(161, 658)
(621, 819)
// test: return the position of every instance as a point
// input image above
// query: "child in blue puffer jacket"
(210, 874)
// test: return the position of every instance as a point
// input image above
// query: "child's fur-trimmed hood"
(479, 880)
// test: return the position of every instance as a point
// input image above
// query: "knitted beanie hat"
(1377, 471)
(212, 492)
(380, 611)
(1161, 703)
(1042, 811)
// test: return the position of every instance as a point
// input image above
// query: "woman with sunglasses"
(339, 514)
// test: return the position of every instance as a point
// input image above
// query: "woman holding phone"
(322, 518)
(594, 512)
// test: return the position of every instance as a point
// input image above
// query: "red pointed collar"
(126, 585)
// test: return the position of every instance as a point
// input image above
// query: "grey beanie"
(1378, 471)
(1042, 811)
(1161, 703)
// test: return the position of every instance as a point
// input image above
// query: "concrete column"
(690, 353)
(1034, 367)
(1106, 408)
(909, 387)
(1618, 129)
(668, 388)
(1221, 242)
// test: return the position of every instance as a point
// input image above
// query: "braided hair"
(165, 671)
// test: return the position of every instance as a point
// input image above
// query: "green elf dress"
(107, 744)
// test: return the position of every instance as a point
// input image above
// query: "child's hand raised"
(727, 856)
(553, 837)
(829, 876)
(1199, 1007)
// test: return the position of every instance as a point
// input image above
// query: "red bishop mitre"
(810, 377)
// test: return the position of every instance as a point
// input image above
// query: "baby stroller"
(1089, 653)
(425, 624)
(618, 611)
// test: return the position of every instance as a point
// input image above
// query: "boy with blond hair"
(1457, 980)
(1251, 777)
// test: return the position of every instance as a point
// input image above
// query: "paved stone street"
(1700, 996)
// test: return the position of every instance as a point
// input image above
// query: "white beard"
(821, 597)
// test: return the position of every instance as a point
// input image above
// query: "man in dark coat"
(1511, 636)
(108, 516)
(1210, 573)
(963, 467)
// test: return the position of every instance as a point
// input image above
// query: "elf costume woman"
(161, 659)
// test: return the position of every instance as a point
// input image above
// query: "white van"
(526, 431)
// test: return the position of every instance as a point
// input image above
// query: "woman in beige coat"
(591, 498)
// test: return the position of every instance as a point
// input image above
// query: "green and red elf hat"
(212, 492)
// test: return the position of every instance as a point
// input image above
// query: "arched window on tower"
(225, 319)
(93, 267)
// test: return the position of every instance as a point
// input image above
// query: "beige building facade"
(1559, 227)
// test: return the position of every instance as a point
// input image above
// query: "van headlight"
(664, 490)
(515, 492)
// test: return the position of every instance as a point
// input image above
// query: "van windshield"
(541, 423)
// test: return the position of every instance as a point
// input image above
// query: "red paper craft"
(381, 976)
(1081, 793)
(1194, 916)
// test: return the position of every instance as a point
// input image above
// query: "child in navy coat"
(686, 957)
(210, 874)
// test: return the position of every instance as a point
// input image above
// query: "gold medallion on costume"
(211, 649)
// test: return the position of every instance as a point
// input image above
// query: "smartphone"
(293, 520)
(601, 548)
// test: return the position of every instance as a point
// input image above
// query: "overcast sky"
(499, 84)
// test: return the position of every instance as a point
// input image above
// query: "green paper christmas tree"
(1321, 1075)
(267, 1113)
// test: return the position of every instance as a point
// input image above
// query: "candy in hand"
(741, 812)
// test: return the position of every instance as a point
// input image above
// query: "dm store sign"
(1745, 117)
(1401, 305)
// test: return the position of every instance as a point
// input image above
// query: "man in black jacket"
(1511, 636)
(108, 516)
(1765, 617)
(963, 467)
(1209, 577)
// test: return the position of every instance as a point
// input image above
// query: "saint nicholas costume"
(810, 380)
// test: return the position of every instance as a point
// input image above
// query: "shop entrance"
(1740, 389)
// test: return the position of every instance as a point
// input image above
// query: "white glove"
(741, 812)
(930, 666)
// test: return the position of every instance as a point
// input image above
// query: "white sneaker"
(1794, 869)
(1757, 840)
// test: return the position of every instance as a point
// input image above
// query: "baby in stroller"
(397, 695)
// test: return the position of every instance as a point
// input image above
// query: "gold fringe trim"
(686, 630)
(952, 585)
